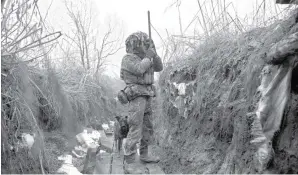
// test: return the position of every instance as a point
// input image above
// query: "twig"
(16, 42)
(234, 22)
(258, 10)
(170, 6)
(225, 12)
(158, 34)
(18, 128)
(213, 9)
(36, 57)
(48, 10)
(40, 161)
(264, 11)
(5, 15)
(186, 37)
(194, 18)
(34, 84)
(9, 102)
(180, 23)
(242, 27)
(204, 22)
(42, 43)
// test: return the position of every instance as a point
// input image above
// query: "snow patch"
(181, 88)
(27, 140)
(105, 126)
(67, 167)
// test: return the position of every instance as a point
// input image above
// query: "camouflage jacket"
(139, 72)
(135, 70)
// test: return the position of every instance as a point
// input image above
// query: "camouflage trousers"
(140, 125)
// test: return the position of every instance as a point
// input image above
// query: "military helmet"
(135, 40)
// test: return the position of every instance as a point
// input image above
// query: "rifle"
(149, 24)
(149, 32)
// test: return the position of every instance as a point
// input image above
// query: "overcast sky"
(131, 15)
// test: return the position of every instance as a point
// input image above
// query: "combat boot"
(133, 167)
(146, 158)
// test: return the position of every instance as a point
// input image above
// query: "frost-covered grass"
(214, 138)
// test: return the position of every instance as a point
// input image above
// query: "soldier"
(137, 71)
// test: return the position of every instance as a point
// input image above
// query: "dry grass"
(38, 99)
(227, 66)
(35, 100)
(18, 112)
(218, 18)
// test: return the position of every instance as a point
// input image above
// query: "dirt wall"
(204, 122)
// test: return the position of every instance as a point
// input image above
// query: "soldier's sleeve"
(137, 67)
(284, 48)
(157, 64)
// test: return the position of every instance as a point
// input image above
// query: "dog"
(121, 129)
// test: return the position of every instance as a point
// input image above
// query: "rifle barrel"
(149, 24)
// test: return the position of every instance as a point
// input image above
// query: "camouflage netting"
(204, 126)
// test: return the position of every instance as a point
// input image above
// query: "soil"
(213, 135)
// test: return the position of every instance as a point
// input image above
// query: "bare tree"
(109, 46)
(82, 22)
(85, 36)
(22, 30)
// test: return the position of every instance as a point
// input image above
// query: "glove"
(150, 53)
(152, 45)
(122, 97)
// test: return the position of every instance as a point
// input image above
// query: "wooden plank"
(105, 159)
(106, 144)
(117, 164)
(90, 161)
(102, 133)
(103, 163)
(154, 168)
(117, 167)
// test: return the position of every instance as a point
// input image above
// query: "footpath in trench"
(102, 160)
(112, 163)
